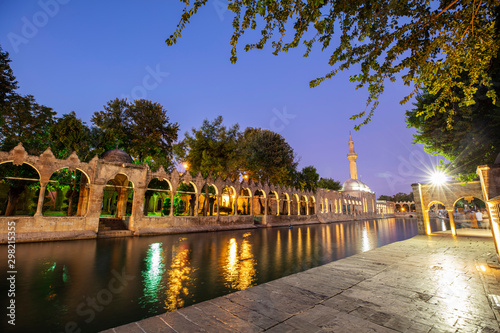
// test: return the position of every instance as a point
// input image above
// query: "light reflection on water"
(56, 280)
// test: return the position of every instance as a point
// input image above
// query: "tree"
(142, 128)
(111, 121)
(427, 43)
(267, 157)
(329, 183)
(474, 139)
(213, 148)
(398, 197)
(70, 134)
(8, 83)
(309, 178)
(26, 121)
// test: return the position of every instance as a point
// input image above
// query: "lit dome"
(116, 155)
(355, 185)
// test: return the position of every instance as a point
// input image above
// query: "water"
(92, 285)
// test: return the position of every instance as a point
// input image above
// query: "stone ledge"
(26, 237)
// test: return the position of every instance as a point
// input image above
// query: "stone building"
(112, 196)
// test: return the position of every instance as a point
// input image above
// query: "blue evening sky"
(78, 55)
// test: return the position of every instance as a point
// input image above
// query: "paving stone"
(207, 322)
(230, 320)
(129, 328)
(245, 313)
(155, 325)
(180, 323)
(424, 284)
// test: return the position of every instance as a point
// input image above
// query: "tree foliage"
(308, 178)
(267, 157)
(8, 83)
(330, 184)
(26, 121)
(398, 197)
(141, 128)
(427, 43)
(213, 148)
(474, 139)
(70, 134)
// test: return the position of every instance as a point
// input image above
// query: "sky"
(78, 55)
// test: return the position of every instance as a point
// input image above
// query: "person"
(479, 216)
(473, 220)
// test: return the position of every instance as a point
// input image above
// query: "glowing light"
(153, 274)
(483, 268)
(438, 178)
(185, 166)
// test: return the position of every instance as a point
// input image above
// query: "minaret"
(352, 156)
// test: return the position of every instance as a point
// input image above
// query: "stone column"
(427, 223)
(217, 200)
(235, 204)
(41, 196)
(172, 195)
(196, 204)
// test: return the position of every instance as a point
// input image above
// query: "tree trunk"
(71, 196)
(261, 206)
(14, 194)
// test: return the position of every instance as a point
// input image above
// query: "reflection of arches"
(19, 189)
(272, 203)
(312, 206)
(259, 199)
(227, 201)
(303, 205)
(66, 193)
(285, 204)
(117, 197)
(157, 198)
(294, 205)
(185, 199)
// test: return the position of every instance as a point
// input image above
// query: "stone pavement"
(424, 284)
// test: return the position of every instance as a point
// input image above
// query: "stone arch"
(259, 202)
(244, 201)
(19, 193)
(303, 205)
(227, 200)
(66, 193)
(285, 206)
(272, 203)
(158, 197)
(294, 205)
(470, 211)
(207, 200)
(117, 197)
(185, 199)
(312, 205)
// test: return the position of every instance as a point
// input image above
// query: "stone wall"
(126, 178)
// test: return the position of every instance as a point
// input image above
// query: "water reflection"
(169, 272)
(153, 274)
(179, 278)
(239, 269)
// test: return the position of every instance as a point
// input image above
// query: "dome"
(355, 185)
(116, 155)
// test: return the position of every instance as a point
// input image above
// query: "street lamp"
(438, 178)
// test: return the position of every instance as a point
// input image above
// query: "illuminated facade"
(111, 193)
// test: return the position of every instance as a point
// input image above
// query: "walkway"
(424, 284)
